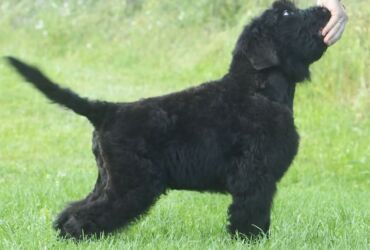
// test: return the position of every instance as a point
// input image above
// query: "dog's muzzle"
(318, 17)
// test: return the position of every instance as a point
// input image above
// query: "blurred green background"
(126, 50)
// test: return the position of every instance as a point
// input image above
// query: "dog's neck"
(272, 83)
(275, 86)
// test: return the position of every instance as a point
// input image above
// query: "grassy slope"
(102, 50)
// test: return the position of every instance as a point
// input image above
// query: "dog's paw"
(251, 233)
(70, 226)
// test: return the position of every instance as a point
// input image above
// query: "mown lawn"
(113, 51)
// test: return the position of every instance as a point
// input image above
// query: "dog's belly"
(198, 166)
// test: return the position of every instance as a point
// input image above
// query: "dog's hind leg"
(126, 188)
(110, 210)
(73, 207)
(107, 213)
(101, 182)
(252, 194)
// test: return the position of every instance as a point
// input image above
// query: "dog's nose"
(326, 13)
(325, 10)
(323, 13)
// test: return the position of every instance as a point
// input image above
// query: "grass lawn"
(125, 50)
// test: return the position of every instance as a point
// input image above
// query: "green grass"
(109, 50)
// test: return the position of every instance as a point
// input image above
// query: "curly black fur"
(234, 135)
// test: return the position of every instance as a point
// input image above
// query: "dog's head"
(285, 37)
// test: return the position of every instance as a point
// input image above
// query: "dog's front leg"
(252, 193)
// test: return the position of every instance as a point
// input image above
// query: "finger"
(331, 33)
(329, 26)
(336, 36)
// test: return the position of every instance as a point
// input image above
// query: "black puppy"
(232, 135)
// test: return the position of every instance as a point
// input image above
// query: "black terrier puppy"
(234, 135)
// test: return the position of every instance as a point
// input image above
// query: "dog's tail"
(94, 111)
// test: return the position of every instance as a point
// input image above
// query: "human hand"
(334, 29)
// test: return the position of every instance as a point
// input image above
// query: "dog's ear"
(262, 54)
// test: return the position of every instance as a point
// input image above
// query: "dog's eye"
(286, 13)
